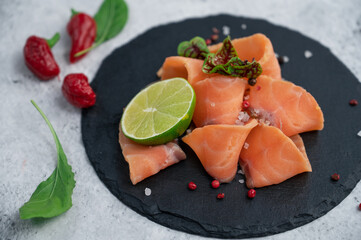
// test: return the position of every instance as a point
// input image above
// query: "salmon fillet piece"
(219, 100)
(271, 157)
(145, 161)
(187, 68)
(259, 47)
(285, 105)
(218, 148)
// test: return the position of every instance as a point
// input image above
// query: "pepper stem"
(52, 41)
(73, 12)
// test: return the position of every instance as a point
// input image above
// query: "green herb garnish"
(52, 197)
(227, 62)
(195, 48)
(110, 19)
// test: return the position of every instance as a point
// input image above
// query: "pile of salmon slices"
(254, 127)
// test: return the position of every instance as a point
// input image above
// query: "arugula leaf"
(53, 196)
(227, 62)
(195, 48)
(110, 19)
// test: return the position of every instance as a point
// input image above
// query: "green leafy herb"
(227, 62)
(53, 196)
(111, 19)
(195, 48)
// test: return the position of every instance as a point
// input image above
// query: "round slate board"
(275, 209)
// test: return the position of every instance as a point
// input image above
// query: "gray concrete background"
(27, 151)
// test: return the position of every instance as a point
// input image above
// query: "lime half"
(160, 112)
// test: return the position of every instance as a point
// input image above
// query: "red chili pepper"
(77, 90)
(39, 58)
(82, 29)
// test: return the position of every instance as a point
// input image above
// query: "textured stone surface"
(27, 148)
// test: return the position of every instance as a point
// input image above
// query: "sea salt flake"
(286, 59)
(308, 54)
(246, 145)
(226, 30)
(244, 26)
(276, 54)
(246, 97)
(359, 134)
(147, 191)
(240, 171)
(213, 104)
(241, 180)
(189, 131)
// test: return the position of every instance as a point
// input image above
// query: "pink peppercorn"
(192, 186)
(251, 193)
(220, 195)
(335, 177)
(245, 104)
(208, 41)
(215, 184)
(353, 102)
(258, 87)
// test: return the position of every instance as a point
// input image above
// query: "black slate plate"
(275, 209)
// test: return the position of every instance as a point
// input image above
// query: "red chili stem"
(52, 41)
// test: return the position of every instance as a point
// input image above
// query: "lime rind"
(159, 113)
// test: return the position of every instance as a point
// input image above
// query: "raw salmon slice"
(271, 157)
(218, 148)
(297, 140)
(259, 47)
(188, 68)
(145, 161)
(219, 100)
(285, 105)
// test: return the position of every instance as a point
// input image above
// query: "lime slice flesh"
(159, 113)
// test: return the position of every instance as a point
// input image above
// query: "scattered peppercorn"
(281, 59)
(245, 104)
(335, 177)
(214, 37)
(192, 186)
(220, 195)
(215, 30)
(353, 102)
(208, 41)
(251, 193)
(215, 184)
(252, 81)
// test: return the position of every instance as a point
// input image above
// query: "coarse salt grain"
(189, 131)
(359, 134)
(286, 59)
(244, 26)
(276, 54)
(213, 104)
(246, 97)
(246, 145)
(240, 171)
(241, 180)
(147, 191)
(308, 54)
(226, 30)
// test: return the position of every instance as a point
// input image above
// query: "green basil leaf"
(110, 19)
(53, 196)
(195, 48)
(227, 62)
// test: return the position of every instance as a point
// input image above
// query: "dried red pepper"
(82, 30)
(39, 58)
(77, 91)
